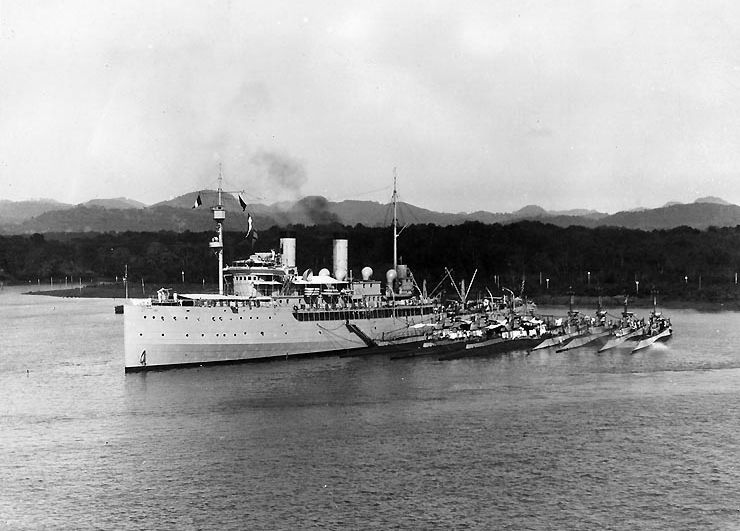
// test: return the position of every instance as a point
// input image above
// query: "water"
(575, 440)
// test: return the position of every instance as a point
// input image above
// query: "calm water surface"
(575, 440)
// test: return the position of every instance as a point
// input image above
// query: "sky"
(608, 105)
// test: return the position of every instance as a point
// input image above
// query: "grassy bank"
(113, 290)
(615, 303)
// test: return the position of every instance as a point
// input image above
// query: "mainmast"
(395, 223)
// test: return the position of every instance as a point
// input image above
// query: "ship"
(266, 308)
(658, 327)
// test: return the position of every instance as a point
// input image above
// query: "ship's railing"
(339, 309)
(353, 314)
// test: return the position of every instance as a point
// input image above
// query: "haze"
(479, 105)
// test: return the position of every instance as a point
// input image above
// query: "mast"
(570, 301)
(655, 301)
(220, 182)
(395, 223)
(219, 214)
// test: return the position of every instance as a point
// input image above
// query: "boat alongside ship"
(566, 329)
(491, 334)
(577, 331)
(265, 308)
(627, 328)
(593, 330)
(657, 329)
(500, 328)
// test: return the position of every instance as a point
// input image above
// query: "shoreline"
(642, 303)
(116, 291)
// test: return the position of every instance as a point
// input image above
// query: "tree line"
(682, 263)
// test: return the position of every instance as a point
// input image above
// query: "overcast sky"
(480, 105)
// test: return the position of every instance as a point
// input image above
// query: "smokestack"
(340, 258)
(287, 251)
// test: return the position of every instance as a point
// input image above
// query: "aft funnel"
(287, 252)
(340, 258)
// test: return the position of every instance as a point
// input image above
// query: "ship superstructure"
(267, 308)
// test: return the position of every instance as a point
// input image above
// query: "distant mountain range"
(121, 214)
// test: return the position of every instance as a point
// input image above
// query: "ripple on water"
(576, 440)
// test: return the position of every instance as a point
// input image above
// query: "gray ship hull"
(160, 336)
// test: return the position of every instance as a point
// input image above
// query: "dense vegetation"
(683, 263)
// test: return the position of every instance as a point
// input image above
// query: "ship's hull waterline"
(161, 336)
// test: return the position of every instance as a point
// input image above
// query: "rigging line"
(231, 188)
(409, 213)
(413, 280)
(252, 197)
(332, 331)
(358, 194)
(400, 329)
(452, 281)
(361, 194)
(471, 284)
(437, 286)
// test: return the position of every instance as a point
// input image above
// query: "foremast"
(217, 243)
(394, 198)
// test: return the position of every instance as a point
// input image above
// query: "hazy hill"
(116, 202)
(530, 212)
(12, 212)
(696, 215)
(580, 212)
(121, 214)
(151, 219)
(712, 199)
